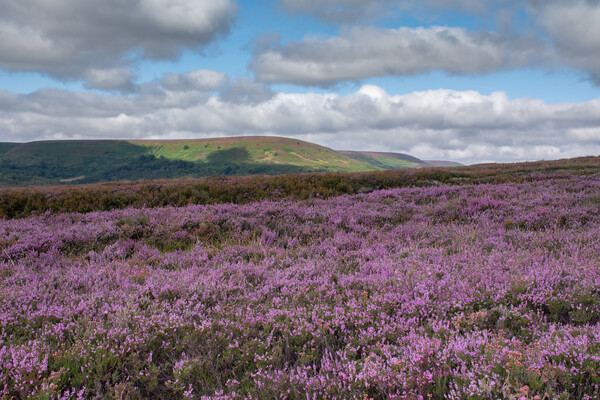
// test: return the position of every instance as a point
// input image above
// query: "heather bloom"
(486, 291)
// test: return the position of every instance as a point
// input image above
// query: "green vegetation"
(5, 147)
(386, 160)
(21, 202)
(257, 150)
(69, 162)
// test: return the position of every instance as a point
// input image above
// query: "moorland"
(89, 161)
(478, 282)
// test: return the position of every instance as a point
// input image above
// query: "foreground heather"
(475, 292)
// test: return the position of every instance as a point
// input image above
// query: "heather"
(477, 291)
(22, 202)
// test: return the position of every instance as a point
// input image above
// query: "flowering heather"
(471, 292)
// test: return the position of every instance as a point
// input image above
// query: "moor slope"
(62, 162)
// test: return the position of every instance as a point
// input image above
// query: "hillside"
(18, 202)
(386, 160)
(5, 147)
(65, 162)
(51, 162)
(442, 163)
(251, 150)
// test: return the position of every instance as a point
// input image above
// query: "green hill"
(441, 163)
(87, 161)
(386, 160)
(271, 151)
(52, 162)
(5, 147)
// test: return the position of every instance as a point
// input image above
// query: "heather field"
(478, 291)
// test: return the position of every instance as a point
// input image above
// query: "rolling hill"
(386, 160)
(87, 161)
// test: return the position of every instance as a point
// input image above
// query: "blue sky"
(466, 80)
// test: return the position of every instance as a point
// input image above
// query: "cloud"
(590, 135)
(109, 79)
(70, 39)
(247, 91)
(364, 52)
(574, 26)
(569, 36)
(465, 126)
(350, 11)
(201, 80)
(338, 10)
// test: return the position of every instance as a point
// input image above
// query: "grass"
(56, 162)
(386, 160)
(260, 150)
(5, 147)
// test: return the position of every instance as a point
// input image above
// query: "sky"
(463, 80)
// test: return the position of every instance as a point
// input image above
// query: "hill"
(386, 160)
(18, 202)
(441, 163)
(88, 161)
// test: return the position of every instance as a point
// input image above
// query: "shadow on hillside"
(98, 161)
(236, 155)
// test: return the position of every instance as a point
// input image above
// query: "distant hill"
(386, 160)
(86, 161)
(440, 163)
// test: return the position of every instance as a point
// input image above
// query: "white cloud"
(438, 124)
(569, 36)
(109, 79)
(181, 17)
(575, 29)
(364, 52)
(338, 10)
(69, 38)
(25, 48)
(585, 134)
(201, 80)
(247, 91)
(349, 11)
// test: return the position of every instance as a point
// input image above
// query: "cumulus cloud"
(201, 80)
(349, 11)
(247, 91)
(575, 28)
(338, 10)
(364, 52)
(570, 25)
(109, 79)
(465, 126)
(74, 38)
